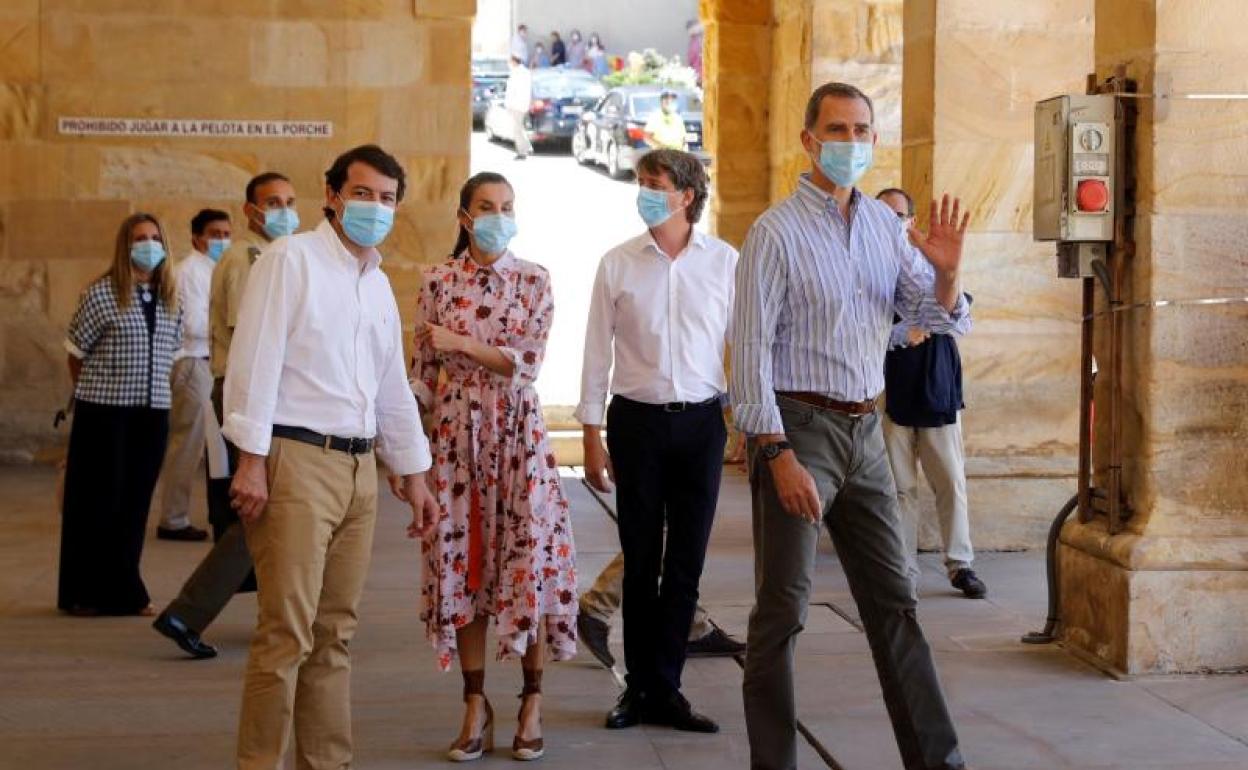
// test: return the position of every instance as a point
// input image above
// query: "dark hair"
(370, 155)
(686, 173)
(555, 35)
(516, 59)
(261, 180)
(837, 90)
(206, 217)
(902, 193)
(466, 194)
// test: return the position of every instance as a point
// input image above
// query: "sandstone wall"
(860, 42)
(388, 71)
(972, 73)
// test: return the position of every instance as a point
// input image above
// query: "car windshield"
(489, 68)
(558, 85)
(645, 105)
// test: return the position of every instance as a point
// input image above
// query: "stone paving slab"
(109, 694)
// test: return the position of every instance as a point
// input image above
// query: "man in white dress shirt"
(658, 323)
(191, 379)
(316, 382)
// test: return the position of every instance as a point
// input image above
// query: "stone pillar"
(737, 61)
(1170, 593)
(395, 72)
(972, 73)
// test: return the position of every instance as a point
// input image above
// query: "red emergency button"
(1092, 195)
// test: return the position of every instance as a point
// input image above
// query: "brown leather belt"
(823, 402)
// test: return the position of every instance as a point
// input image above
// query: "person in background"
(520, 43)
(121, 342)
(923, 396)
(315, 384)
(540, 59)
(596, 57)
(502, 548)
(517, 99)
(600, 602)
(693, 55)
(269, 208)
(821, 275)
(576, 50)
(654, 340)
(192, 378)
(665, 129)
(558, 52)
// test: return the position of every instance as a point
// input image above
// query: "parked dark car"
(560, 96)
(489, 76)
(612, 134)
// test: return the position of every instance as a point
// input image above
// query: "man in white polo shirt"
(316, 382)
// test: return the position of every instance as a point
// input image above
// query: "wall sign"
(200, 129)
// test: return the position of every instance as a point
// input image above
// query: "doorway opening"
(586, 118)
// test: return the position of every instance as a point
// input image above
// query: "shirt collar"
(696, 241)
(336, 246)
(503, 267)
(819, 200)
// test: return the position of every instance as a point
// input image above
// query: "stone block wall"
(860, 42)
(395, 72)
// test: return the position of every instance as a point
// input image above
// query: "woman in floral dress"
(503, 547)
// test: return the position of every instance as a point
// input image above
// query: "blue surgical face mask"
(367, 222)
(654, 206)
(493, 232)
(147, 255)
(280, 222)
(845, 162)
(217, 247)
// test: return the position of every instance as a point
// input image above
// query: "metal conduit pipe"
(1049, 633)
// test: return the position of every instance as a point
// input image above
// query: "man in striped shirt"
(820, 277)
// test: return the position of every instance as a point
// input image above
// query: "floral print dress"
(503, 543)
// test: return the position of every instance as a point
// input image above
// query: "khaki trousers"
(939, 451)
(311, 548)
(602, 600)
(191, 383)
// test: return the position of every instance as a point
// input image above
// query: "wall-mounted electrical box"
(1077, 168)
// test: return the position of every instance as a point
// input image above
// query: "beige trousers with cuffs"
(311, 548)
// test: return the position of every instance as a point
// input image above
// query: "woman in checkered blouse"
(121, 343)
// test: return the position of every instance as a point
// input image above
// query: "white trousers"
(519, 136)
(939, 451)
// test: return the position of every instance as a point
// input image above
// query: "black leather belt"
(352, 446)
(671, 406)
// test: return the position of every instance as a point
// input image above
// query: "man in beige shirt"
(269, 210)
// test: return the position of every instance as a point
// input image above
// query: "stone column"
(972, 73)
(737, 62)
(1170, 594)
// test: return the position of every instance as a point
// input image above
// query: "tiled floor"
(109, 694)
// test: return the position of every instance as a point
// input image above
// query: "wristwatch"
(773, 450)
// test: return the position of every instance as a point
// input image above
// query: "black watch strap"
(773, 450)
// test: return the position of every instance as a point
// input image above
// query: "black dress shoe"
(188, 533)
(184, 637)
(715, 644)
(627, 711)
(966, 581)
(593, 632)
(675, 711)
